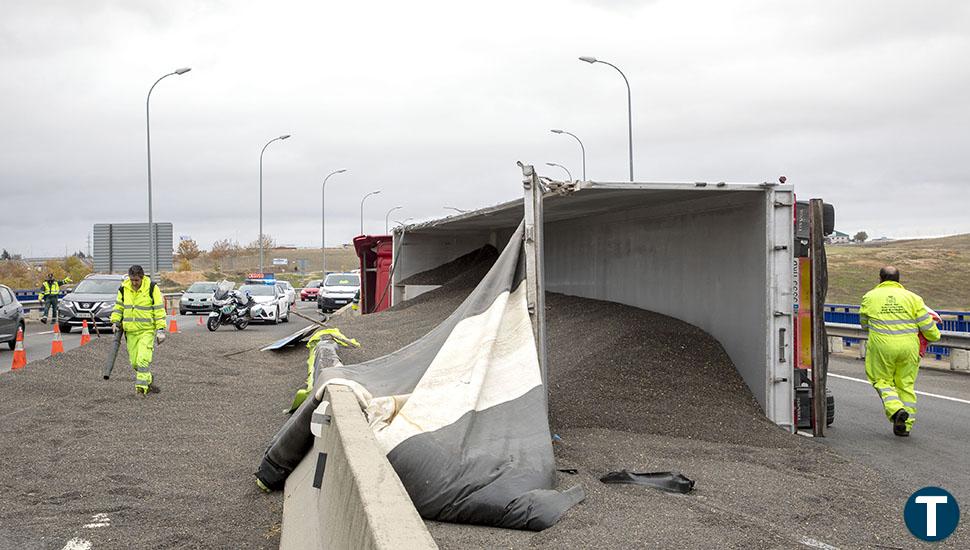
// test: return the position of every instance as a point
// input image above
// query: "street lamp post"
(568, 175)
(629, 104)
(581, 147)
(284, 136)
(323, 219)
(387, 218)
(362, 209)
(152, 253)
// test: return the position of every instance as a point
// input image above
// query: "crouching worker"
(140, 311)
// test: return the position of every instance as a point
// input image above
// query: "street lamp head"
(341, 171)
(284, 136)
(556, 131)
(588, 59)
(551, 164)
(183, 70)
(376, 192)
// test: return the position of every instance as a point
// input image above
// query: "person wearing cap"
(140, 311)
(894, 318)
(50, 290)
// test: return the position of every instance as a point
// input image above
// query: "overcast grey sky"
(863, 103)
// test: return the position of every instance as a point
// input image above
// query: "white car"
(289, 290)
(271, 302)
(337, 290)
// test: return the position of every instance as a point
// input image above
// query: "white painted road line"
(98, 520)
(927, 394)
(77, 544)
(812, 543)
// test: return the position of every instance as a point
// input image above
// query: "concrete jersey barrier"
(344, 493)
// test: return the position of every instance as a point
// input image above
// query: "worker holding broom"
(140, 312)
(895, 317)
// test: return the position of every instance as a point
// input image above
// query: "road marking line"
(77, 544)
(46, 331)
(927, 394)
(817, 543)
(98, 520)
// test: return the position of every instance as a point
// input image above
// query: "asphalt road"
(37, 341)
(88, 464)
(938, 451)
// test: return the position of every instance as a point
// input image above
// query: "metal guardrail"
(953, 322)
(948, 339)
(171, 300)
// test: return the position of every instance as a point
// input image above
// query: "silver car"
(197, 298)
(11, 316)
(92, 300)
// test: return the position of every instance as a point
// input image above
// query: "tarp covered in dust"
(461, 412)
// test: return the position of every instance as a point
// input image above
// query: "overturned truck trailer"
(719, 256)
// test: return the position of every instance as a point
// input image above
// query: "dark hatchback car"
(92, 300)
(11, 316)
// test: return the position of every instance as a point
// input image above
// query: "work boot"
(899, 419)
(145, 391)
(43, 320)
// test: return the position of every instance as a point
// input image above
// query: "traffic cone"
(200, 323)
(173, 325)
(19, 354)
(85, 335)
(57, 345)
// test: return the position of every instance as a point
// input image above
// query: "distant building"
(838, 238)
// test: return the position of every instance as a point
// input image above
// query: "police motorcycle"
(230, 307)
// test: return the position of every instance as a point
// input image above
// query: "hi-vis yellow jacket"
(141, 310)
(53, 288)
(894, 317)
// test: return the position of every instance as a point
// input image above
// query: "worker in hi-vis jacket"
(894, 318)
(140, 312)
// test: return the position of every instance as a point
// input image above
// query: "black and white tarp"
(461, 413)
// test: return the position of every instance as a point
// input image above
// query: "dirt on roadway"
(87, 458)
(637, 390)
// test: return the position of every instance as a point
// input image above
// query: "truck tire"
(830, 406)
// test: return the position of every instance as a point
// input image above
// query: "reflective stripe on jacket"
(52, 289)
(138, 310)
(895, 315)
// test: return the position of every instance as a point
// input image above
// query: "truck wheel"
(830, 406)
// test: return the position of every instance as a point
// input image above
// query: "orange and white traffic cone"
(85, 335)
(57, 345)
(19, 354)
(200, 323)
(173, 325)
